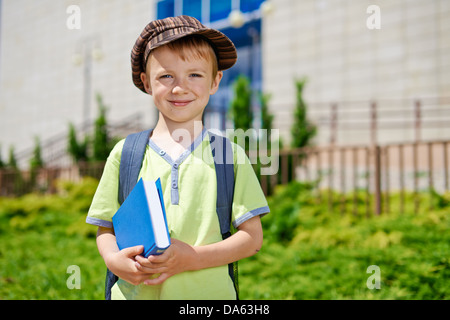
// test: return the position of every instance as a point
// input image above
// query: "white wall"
(328, 41)
(41, 90)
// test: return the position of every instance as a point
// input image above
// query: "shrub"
(241, 107)
(302, 129)
(78, 150)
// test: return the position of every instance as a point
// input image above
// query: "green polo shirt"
(190, 190)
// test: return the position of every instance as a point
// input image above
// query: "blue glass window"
(165, 9)
(193, 8)
(220, 9)
(247, 40)
(250, 5)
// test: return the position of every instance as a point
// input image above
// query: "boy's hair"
(192, 47)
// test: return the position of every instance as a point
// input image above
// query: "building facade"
(55, 56)
(351, 58)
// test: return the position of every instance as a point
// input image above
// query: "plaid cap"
(161, 32)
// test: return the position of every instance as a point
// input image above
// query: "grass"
(324, 255)
(308, 252)
(40, 237)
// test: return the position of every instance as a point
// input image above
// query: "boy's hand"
(180, 256)
(176, 259)
(123, 264)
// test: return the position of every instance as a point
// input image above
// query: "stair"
(54, 149)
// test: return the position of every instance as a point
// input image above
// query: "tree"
(241, 106)
(101, 143)
(266, 116)
(78, 150)
(18, 181)
(97, 148)
(36, 161)
(2, 164)
(302, 130)
(12, 162)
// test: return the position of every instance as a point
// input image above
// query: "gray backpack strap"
(223, 160)
(131, 162)
(224, 164)
(130, 165)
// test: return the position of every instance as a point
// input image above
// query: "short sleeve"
(105, 202)
(249, 199)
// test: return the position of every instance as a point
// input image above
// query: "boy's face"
(180, 88)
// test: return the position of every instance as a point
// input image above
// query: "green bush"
(241, 106)
(41, 236)
(287, 202)
(309, 251)
(325, 255)
(302, 130)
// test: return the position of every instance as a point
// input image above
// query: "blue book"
(141, 220)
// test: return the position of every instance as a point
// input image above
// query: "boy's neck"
(182, 133)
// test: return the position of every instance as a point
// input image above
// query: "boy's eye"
(196, 75)
(165, 76)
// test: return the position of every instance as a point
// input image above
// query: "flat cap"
(163, 31)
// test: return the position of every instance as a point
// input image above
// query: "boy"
(179, 62)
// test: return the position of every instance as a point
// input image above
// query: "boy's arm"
(121, 262)
(180, 257)
(246, 242)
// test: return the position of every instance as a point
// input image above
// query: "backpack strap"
(224, 164)
(131, 162)
(130, 165)
(223, 160)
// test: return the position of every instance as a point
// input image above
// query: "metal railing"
(54, 149)
(376, 170)
(379, 121)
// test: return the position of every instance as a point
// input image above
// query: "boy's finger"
(144, 262)
(160, 258)
(159, 280)
(151, 269)
(133, 251)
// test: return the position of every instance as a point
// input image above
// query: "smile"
(180, 103)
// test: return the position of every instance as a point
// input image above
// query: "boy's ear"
(146, 81)
(216, 82)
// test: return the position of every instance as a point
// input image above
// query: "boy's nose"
(179, 87)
